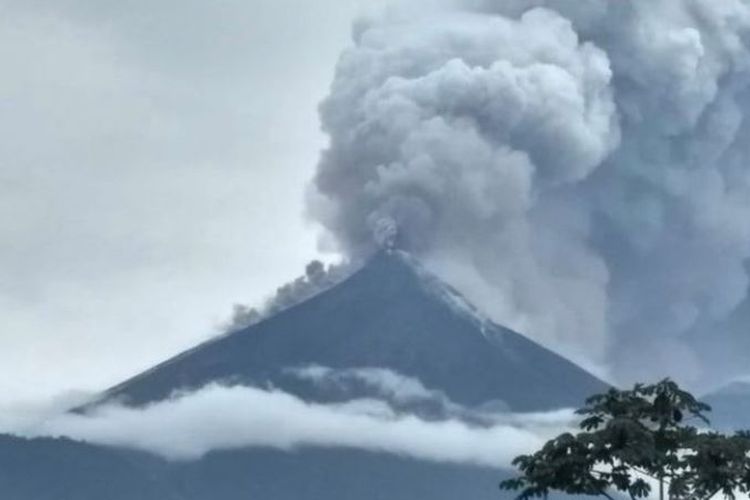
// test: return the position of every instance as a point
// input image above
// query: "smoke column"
(578, 168)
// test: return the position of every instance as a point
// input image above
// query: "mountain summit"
(391, 314)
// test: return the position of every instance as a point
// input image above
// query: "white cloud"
(220, 418)
(388, 384)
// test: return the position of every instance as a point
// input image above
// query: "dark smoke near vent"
(317, 278)
(578, 168)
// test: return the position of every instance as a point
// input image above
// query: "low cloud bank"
(409, 395)
(387, 384)
(217, 417)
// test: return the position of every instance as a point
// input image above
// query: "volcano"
(390, 314)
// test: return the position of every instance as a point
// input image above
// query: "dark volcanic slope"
(730, 406)
(391, 315)
(60, 469)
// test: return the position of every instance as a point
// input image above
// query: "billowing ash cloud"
(217, 417)
(577, 168)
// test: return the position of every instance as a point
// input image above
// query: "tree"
(631, 439)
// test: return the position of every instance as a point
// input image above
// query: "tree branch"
(604, 492)
(712, 494)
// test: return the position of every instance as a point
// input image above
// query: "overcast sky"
(153, 162)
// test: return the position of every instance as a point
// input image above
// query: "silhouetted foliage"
(631, 439)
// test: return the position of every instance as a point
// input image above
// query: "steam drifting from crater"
(577, 168)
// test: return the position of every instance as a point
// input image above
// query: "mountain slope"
(730, 406)
(390, 314)
(61, 469)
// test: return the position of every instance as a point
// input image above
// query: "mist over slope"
(577, 168)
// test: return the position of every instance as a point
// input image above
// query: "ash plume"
(578, 169)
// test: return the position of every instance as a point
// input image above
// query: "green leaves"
(639, 489)
(628, 437)
(562, 464)
(663, 404)
(719, 464)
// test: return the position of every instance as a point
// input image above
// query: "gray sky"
(153, 162)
